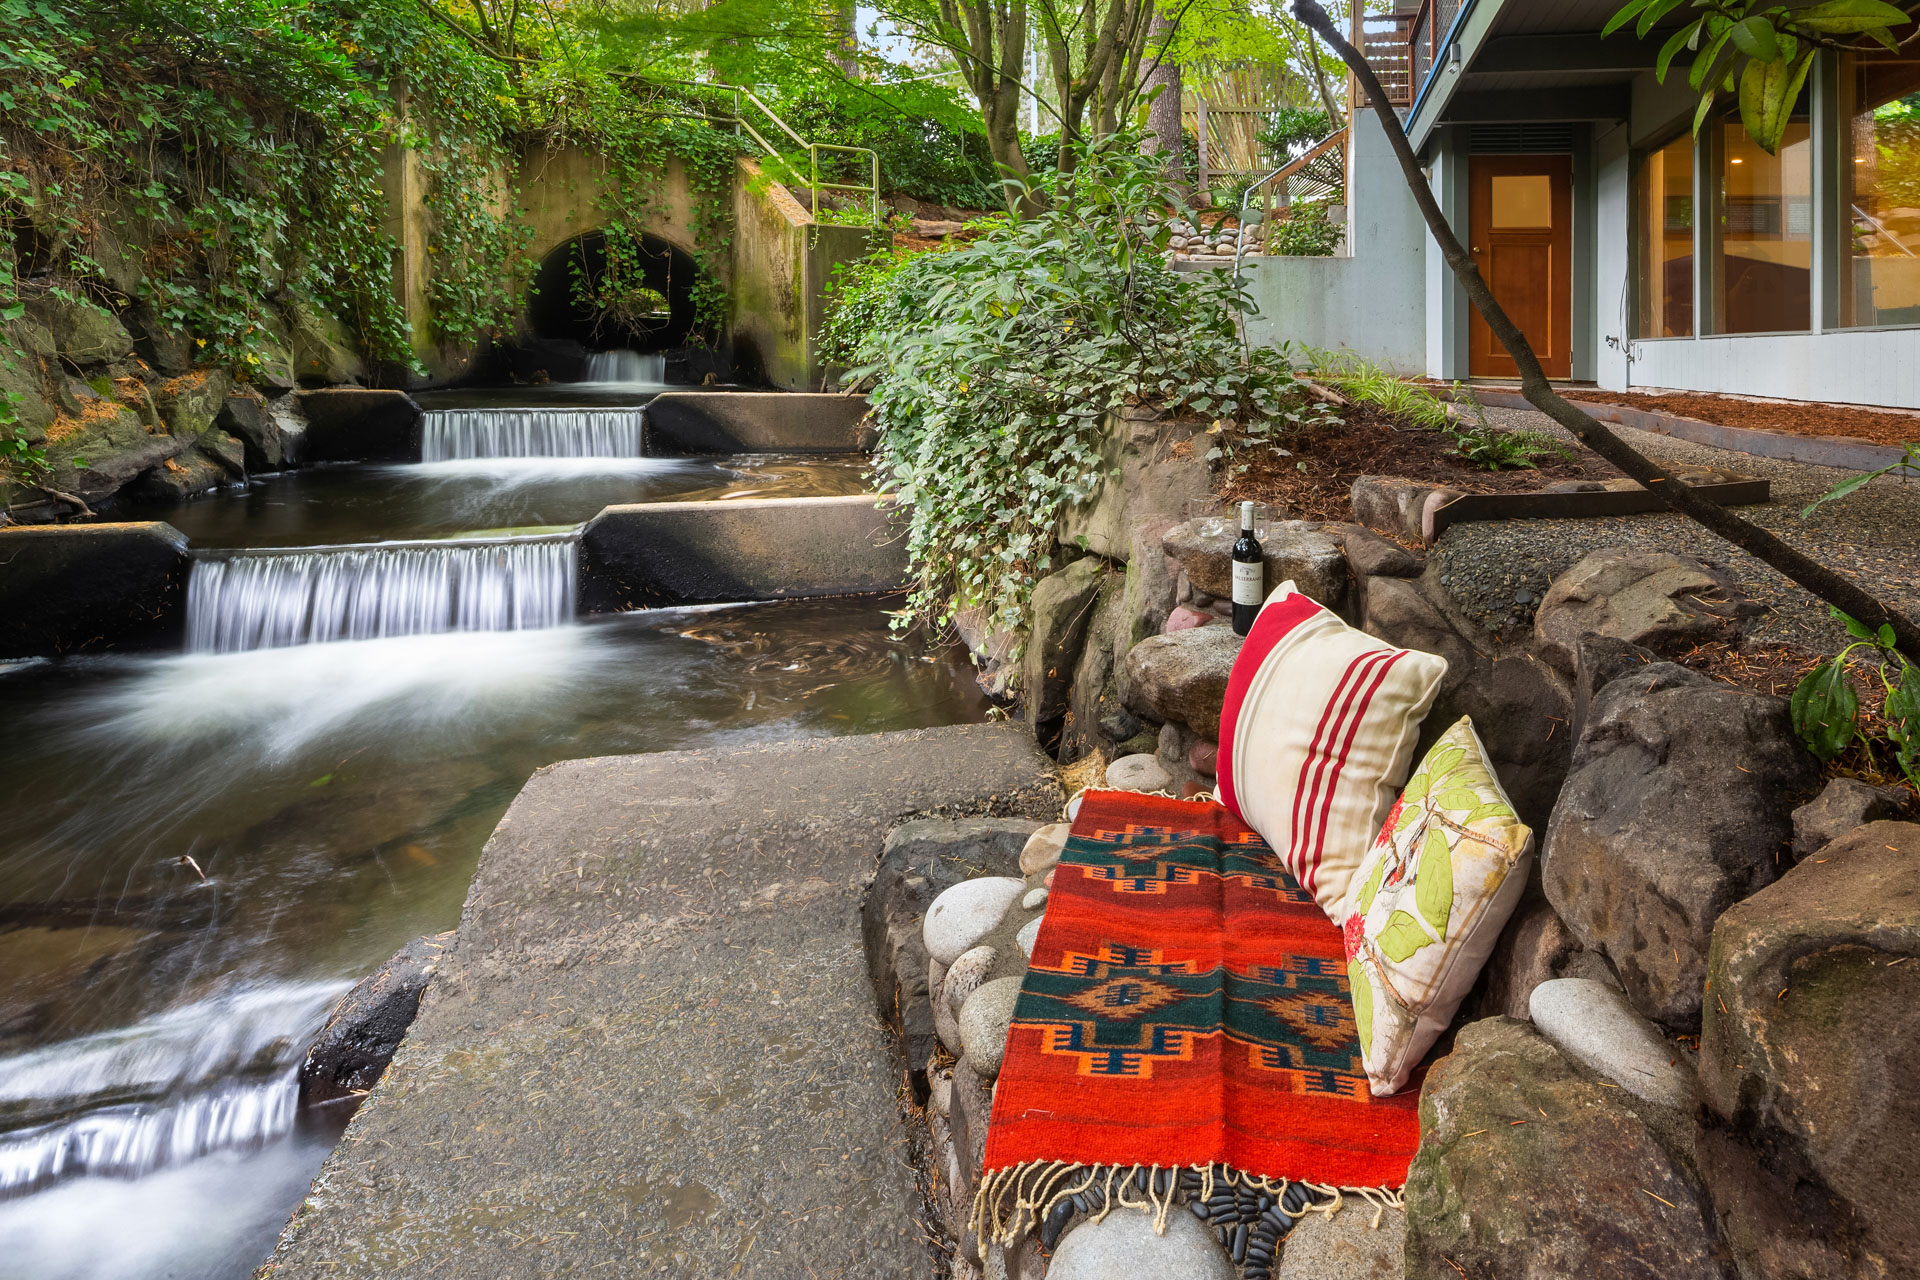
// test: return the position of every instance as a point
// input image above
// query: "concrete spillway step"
(652, 1049)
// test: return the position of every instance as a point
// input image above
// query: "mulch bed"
(1880, 426)
(1314, 483)
(1777, 669)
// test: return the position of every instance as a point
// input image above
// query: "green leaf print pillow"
(1428, 902)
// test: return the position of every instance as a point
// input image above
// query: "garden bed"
(1314, 479)
(1880, 426)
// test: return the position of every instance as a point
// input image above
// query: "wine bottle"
(1249, 574)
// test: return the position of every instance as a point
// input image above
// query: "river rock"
(1811, 1045)
(1678, 805)
(190, 403)
(965, 976)
(1655, 599)
(1057, 622)
(1300, 550)
(1137, 773)
(193, 472)
(1184, 618)
(1036, 898)
(984, 1020)
(1345, 1245)
(321, 351)
(115, 445)
(1845, 803)
(1528, 1170)
(966, 913)
(1592, 1023)
(1182, 677)
(1122, 1246)
(1029, 934)
(1044, 847)
(366, 1026)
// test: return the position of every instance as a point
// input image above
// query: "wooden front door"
(1521, 211)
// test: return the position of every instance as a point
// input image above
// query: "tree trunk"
(1840, 592)
(1163, 116)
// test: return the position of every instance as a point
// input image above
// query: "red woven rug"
(1187, 1007)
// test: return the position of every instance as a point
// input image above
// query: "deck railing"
(769, 120)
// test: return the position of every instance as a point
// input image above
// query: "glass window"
(1766, 231)
(1881, 284)
(1666, 241)
(1521, 200)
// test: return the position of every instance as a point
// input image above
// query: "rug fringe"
(1021, 1197)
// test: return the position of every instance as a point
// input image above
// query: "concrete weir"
(91, 586)
(652, 1048)
(650, 554)
(695, 422)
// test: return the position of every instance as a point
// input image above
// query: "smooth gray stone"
(1122, 1246)
(1593, 1024)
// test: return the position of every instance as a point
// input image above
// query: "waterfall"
(130, 1141)
(267, 599)
(218, 1075)
(452, 435)
(627, 367)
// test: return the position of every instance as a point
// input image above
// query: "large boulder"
(1297, 550)
(1678, 805)
(1528, 1170)
(82, 333)
(1057, 622)
(258, 429)
(1519, 709)
(215, 459)
(98, 451)
(1656, 599)
(1152, 471)
(1182, 677)
(1810, 1048)
(321, 352)
(1152, 589)
(1097, 719)
(366, 1027)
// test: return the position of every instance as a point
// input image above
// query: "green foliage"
(1496, 448)
(931, 147)
(1291, 130)
(1360, 380)
(1306, 233)
(994, 367)
(1826, 706)
(1759, 50)
(1909, 464)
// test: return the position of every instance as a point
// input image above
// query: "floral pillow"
(1428, 903)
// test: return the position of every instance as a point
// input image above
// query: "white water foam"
(271, 599)
(217, 1075)
(449, 435)
(627, 368)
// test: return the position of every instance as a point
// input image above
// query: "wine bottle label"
(1249, 582)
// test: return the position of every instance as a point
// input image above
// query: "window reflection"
(1881, 284)
(1666, 240)
(1766, 231)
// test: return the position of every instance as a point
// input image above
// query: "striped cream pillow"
(1316, 736)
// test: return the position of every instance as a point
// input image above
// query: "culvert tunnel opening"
(612, 293)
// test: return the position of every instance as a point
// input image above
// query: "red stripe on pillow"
(1379, 672)
(1323, 758)
(1273, 625)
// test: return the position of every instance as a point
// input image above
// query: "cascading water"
(629, 368)
(220, 1075)
(269, 599)
(457, 435)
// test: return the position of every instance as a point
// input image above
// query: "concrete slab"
(706, 422)
(652, 1049)
(91, 586)
(651, 554)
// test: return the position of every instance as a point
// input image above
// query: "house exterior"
(1632, 253)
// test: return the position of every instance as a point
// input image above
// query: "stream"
(201, 851)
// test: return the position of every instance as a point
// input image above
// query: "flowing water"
(627, 368)
(200, 851)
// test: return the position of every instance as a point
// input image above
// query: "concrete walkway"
(653, 1049)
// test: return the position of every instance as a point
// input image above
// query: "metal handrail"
(743, 95)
